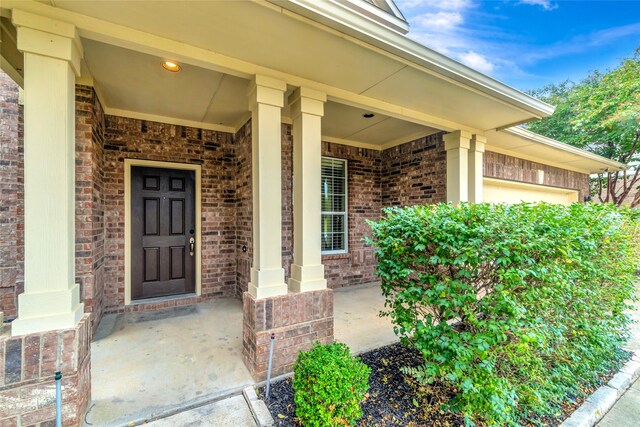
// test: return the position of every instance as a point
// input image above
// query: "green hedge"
(513, 306)
(329, 384)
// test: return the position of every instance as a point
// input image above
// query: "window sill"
(345, 255)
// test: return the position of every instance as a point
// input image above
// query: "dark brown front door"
(162, 232)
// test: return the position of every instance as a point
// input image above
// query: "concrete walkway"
(230, 412)
(356, 320)
(626, 411)
(152, 365)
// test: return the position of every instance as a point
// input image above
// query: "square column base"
(47, 311)
(307, 278)
(27, 383)
(267, 283)
(296, 319)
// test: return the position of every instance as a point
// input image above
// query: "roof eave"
(540, 139)
(366, 30)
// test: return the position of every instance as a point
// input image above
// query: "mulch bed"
(395, 399)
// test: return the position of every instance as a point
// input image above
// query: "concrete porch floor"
(150, 365)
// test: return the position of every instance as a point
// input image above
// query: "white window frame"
(345, 213)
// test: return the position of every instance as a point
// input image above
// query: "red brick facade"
(244, 209)
(415, 173)
(364, 203)
(296, 319)
(502, 166)
(137, 139)
(90, 201)
(27, 367)
(12, 196)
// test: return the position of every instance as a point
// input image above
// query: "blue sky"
(528, 43)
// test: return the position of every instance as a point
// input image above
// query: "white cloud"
(436, 5)
(477, 61)
(452, 4)
(545, 4)
(440, 20)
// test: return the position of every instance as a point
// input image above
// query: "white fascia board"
(347, 21)
(534, 137)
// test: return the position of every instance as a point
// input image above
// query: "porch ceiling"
(132, 83)
(389, 74)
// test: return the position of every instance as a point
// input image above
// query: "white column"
(476, 168)
(457, 146)
(266, 99)
(307, 271)
(52, 53)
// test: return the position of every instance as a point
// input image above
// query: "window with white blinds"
(334, 205)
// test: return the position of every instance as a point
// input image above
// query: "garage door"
(500, 191)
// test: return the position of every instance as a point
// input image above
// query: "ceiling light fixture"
(171, 66)
(368, 115)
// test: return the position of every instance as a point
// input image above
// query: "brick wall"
(244, 209)
(27, 367)
(364, 203)
(215, 151)
(502, 166)
(411, 173)
(11, 197)
(415, 173)
(90, 201)
(296, 320)
(287, 199)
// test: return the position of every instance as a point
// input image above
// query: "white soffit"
(521, 143)
(342, 123)
(358, 59)
(134, 82)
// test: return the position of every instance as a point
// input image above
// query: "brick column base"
(296, 319)
(27, 367)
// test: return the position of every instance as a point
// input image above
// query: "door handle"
(192, 246)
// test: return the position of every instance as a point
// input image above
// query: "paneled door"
(163, 232)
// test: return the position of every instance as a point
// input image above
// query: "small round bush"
(329, 385)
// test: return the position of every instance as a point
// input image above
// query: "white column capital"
(266, 90)
(308, 101)
(457, 139)
(478, 143)
(48, 37)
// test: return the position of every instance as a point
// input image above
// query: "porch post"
(307, 109)
(52, 53)
(476, 168)
(266, 99)
(457, 145)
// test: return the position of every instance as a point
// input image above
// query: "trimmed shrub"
(512, 306)
(329, 385)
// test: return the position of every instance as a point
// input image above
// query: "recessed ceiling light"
(368, 115)
(171, 66)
